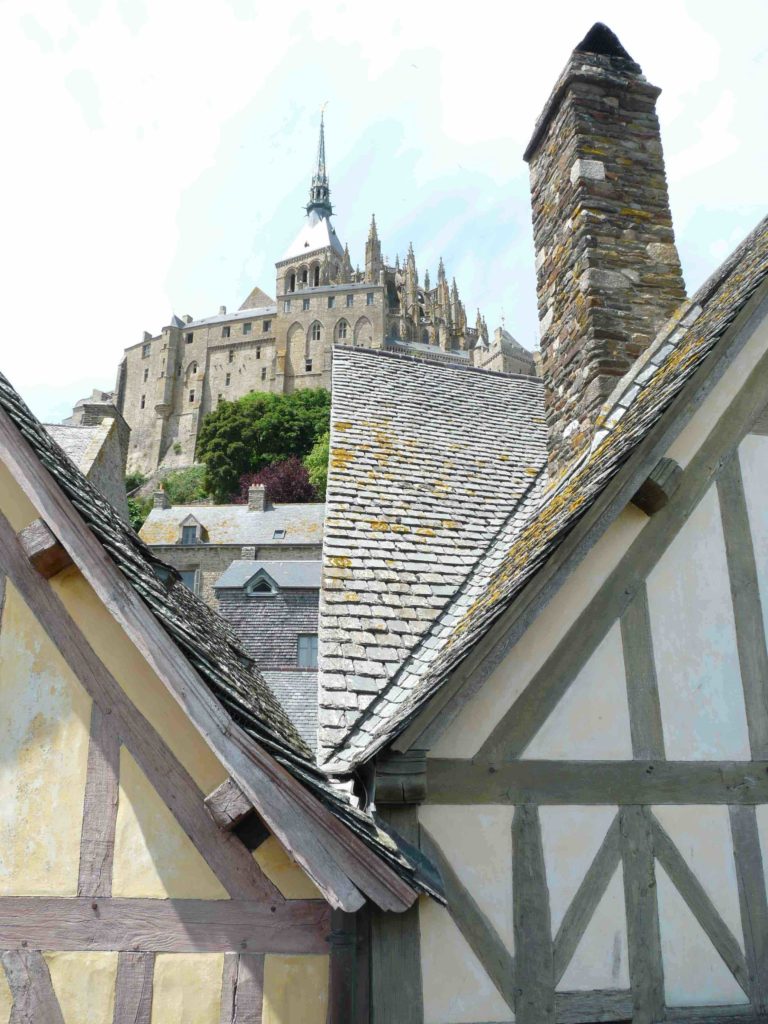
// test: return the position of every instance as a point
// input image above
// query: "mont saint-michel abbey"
(168, 382)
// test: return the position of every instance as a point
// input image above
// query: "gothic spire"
(372, 232)
(319, 190)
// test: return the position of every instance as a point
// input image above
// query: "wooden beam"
(242, 989)
(657, 489)
(738, 1014)
(480, 935)
(456, 781)
(97, 840)
(342, 990)
(401, 778)
(164, 926)
(750, 874)
(642, 686)
(226, 855)
(598, 1005)
(228, 804)
(534, 960)
(747, 606)
(643, 936)
(585, 902)
(133, 988)
(46, 553)
(702, 907)
(29, 980)
(396, 990)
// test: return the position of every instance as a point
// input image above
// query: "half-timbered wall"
(598, 803)
(121, 899)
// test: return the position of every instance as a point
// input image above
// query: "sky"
(157, 155)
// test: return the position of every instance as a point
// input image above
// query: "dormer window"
(190, 532)
(189, 535)
(261, 586)
(278, 535)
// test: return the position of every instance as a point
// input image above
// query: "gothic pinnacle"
(319, 190)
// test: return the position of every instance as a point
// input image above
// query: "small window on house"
(231, 356)
(191, 396)
(189, 578)
(143, 401)
(227, 380)
(331, 301)
(350, 300)
(287, 306)
(189, 535)
(225, 331)
(305, 304)
(316, 330)
(369, 299)
(316, 277)
(261, 589)
(188, 338)
(341, 330)
(304, 276)
(146, 374)
(266, 326)
(258, 351)
(308, 365)
(263, 373)
(246, 328)
(145, 350)
(278, 535)
(292, 283)
(306, 654)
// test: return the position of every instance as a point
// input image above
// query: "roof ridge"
(451, 367)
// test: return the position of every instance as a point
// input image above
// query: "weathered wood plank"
(225, 854)
(747, 608)
(400, 778)
(584, 903)
(713, 1015)
(228, 804)
(480, 934)
(242, 989)
(595, 1006)
(228, 1006)
(342, 990)
(45, 552)
(642, 686)
(694, 894)
(750, 874)
(657, 489)
(29, 980)
(167, 926)
(133, 988)
(97, 840)
(363, 967)
(455, 781)
(643, 936)
(396, 989)
(534, 959)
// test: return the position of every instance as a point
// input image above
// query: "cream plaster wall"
(187, 988)
(456, 988)
(477, 842)
(45, 718)
(84, 984)
(154, 857)
(142, 686)
(285, 873)
(591, 720)
(14, 504)
(753, 457)
(295, 989)
(476, 720)
(600, 960)
(694, 642)
(762, 831)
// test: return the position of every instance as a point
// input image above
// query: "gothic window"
(331, 301)
(315, 331)
(369, 299)
(192, 367)
(306, 654)
(350, 300)
(225, 331)
(305, 304)
(316, 277)
(292, 283)
(304, 275)
(265, 327)
(341, 330)
(246, 328)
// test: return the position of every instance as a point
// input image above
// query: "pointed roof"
(372, 232)
(601, 40)
(257, 299)
(316, 233)
(319, 190)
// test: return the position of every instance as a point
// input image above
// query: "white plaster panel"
(703, 837)
(570, 836)
(694, 973)
(456, 988)
(762, 831)
(600, 960)
(694, 640)
(477, 719)
(591, 719)
(753, 456)
(478, 844)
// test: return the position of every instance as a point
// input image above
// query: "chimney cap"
(601, 40)
(160, 500)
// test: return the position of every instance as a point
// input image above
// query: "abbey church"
(168, 382)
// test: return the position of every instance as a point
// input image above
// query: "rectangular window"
(143, 401)
(350, 300)
(189, 535)
(369, 299)
(225, 331)
(227, 380)
(231, 356)
(191, 396)
(287, 306)
(266, 326)
(246, 328)
(308, 365)
(307, 651)
(278, 534)
(305, 304)
(146, 374)
(331, 301)
(145, 350)
(258, 351)
(189, 578)
(188, 339)
(219, 397)
(263, 373)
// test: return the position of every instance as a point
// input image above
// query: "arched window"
(292, 283)
(342, 329)
(192, 368)
(315, 331)
(304, 275)
(316, 276)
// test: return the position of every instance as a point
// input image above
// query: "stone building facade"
(169, 381)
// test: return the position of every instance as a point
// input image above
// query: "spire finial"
(319, 190)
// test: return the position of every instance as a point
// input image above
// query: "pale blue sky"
(157, 154)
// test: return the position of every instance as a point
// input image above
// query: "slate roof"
(426, 461)
(297, 692)
(287, 575)
(316, 233)
(204, 638)
(81, 444)
(533, 530)
(236, 524)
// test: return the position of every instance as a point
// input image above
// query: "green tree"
(138, 510)
(317, 464)
(184, 486)
(258, 429)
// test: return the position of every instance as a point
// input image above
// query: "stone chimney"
(160, 500)
(257, 498)
(608, 272)
(222, 310)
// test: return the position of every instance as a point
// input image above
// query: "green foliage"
(134, 480)
(138, 510)
(256, 430)
(184, 486)
(317, 464)
(177, 447)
